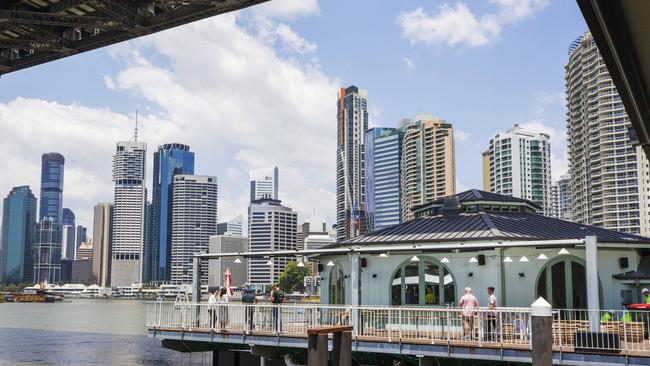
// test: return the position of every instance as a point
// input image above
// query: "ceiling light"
(473, 260)
(269, 263)
(383, 255)
(330, 264)
(300, 264)
(415, 259)
(542, 256)
(563, 251)
(523, 259)
(237, 260)
(507, 260)
(444, 260)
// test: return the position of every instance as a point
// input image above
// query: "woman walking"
(223, 308)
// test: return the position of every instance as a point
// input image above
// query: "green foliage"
(292, 278)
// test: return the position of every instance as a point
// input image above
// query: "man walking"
(468, 302)
(491, 315)
(248, 298)
(277, 298)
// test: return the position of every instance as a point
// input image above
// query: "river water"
(83, 332)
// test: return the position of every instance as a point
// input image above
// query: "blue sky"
(258, 88)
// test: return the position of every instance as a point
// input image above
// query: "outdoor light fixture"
(330, 264)
(542, 256)
(522, 275)
(415, 259)
(473, 260)
(563, 251)
(383, 255)
(237, 260)
(471, 274)
(507, 260)
(444, 260)
(523, 259)
(374, 275)
(300, 264)
(269, 263)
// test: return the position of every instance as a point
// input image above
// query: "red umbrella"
(227, 280)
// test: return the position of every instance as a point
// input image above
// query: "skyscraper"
(264, 183)
(69, 238)
(51, 200)
(564, 198)
(169, 161)
(128, 212)
(520, 166)
(428, 169)
(17, 235)
(352, 123)
(82, 234)
(607, 171)
(485, 163)
(272, 227)
(47, 251)
(102, 237)
(235, 226)
(194, 220)
(382, 177)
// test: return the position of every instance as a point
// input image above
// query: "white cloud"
(450, 25)
(543, 100)
(239, 106)
(272, 32)
(409, 63)
(513, 11)
(287, 8)
(461, 135)
(458, 25)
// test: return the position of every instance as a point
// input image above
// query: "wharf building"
(170, 160)
(609, 175)
(271, 227)
(478, 239)
(129, 164)
(427, 164)
(264, 183)
(520, 166)
(51, 199)
(194, 220)
(382, 177)
(102, 239)
(352, 123)
(17, 235)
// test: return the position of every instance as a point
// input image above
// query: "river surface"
(83, 332)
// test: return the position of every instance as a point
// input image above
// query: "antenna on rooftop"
(135, 132)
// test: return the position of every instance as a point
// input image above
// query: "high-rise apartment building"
(129, 164)
(81, 234)
(234, 227)
(194, 220)
(427, 164)
(485, 164)
(564, 198)
(607, 171)
(352, 123)
(51, 200)
(520, 166)
(264, 183)
(47, 251)
(271, 227)
(102, 235)
(169, 161)
(17, 235)
(382, 178)
(554, 210)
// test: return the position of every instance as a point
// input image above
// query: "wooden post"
(215, 358)
(317, 350)
(541, 333)
(342, 349)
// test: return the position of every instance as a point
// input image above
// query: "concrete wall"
(511, 288)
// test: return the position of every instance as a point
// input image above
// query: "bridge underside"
(37, 31)
(195, 341)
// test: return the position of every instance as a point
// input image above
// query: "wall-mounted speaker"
(481, 259)
(364, 263)
(320, 267)
(623, 262)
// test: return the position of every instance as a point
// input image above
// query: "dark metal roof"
(37, 31)
(474, 195)
(475, 226)
(621, 30)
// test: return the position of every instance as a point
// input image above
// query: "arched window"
(563, 283)
(426, 282)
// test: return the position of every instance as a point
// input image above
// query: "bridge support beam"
(541, 333)
(196, 280)
(342, 349)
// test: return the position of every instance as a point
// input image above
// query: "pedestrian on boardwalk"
(468, 302)
(277, 298)
(491, 315)
(223, 301)
(248, 298)
(212, 307)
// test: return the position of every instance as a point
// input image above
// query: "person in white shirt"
(468, 302)
(491, 315)
(223, 309)
(212, 302)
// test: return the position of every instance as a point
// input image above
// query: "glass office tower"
(51, 200)
(18, 223)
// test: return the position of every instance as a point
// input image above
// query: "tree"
(293, 276)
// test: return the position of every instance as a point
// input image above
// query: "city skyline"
(104, 112)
